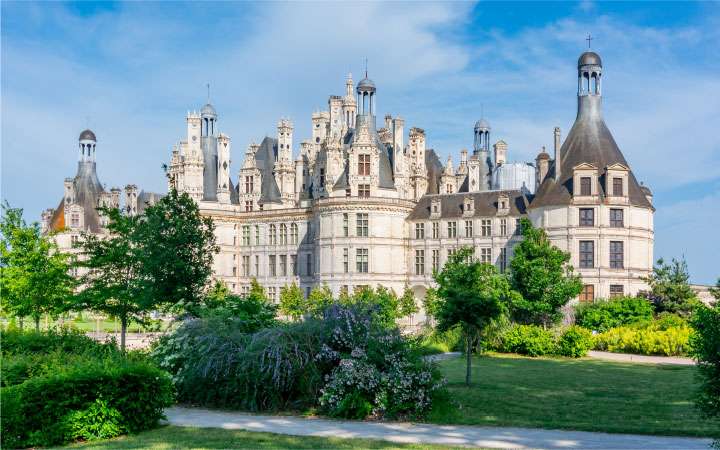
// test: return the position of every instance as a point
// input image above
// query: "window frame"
(586, 256)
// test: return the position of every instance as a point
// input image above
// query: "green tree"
(670, 287)
(320, 298)
(34, 275)
(408, 306)
(542, 275)
(470, 295)
(292, 301)
(113, 283)
(216, 296)
(178, 246)
(705, 348)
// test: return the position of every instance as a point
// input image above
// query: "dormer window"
(435, 208)
(617, 187)
(585, 183)
(468, 207)
(616, 183)
(503, 205)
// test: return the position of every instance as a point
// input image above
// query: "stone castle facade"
(364, 206)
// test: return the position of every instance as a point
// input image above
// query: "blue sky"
(130, 71)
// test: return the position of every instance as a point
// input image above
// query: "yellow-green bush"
(673, 341)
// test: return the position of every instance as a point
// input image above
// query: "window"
(364, 190)
(468, 228)
(283, 233)
(616, 218)
(617, 187)
(485, 255)
(257, 234)
(246, 265)
(486, 227)
(587, 295)
(75, 220)
(363, 164)
(346, 221)
(518, 227)
(272, 265)
(419, 231)
(308, 264)
(503, 227)
(293, 233)
(346, 260)
(451, 251)
(272, 294)
(616, 290)
(452, 229)
(293, 265)
(74, 239)
(436, 230)
(502, 260)
(419, 262)
(616, 255)
(283, 265)
(249, 185)
(322, 178)
(585, 186)
(362, 224)
(234, 271)
(436, 259)
(248, 205)
(587, 254)
(257, 265)
(587, 217)
(273, 234)
(246, 235)
(245, 290)
(361, 261)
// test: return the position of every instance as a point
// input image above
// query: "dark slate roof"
(589, 141)
(589, 59)
(486, 204)
(434, 171)
(87, 135)
(87, 193)
(146, 199)
(265, 158)
(386, 179)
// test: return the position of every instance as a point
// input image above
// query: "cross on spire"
(366, 67)
(208, 92)
(589, 39)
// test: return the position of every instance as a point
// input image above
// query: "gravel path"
(623, 357)
(486, 437)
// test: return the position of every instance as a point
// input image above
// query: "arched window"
(293, 233)
(283, 234)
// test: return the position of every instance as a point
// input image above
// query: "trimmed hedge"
(603, 315)
(672, 341)
(67, 341)
(54, 409)
(533, 340)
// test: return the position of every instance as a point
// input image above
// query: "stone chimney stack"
(556, 135)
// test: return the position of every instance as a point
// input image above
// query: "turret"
(223, 169)
(500, 149)
(542, 163)
(349, 103)
(131, 194)
(69, 191)
(86, 145)
(194, 159)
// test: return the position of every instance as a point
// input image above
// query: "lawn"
(200, 438)
(583, 394)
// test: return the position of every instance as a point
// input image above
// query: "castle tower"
(284, 167)
(480, 166)
(86, 145)
(131, 199)
(208, 137)
(500, 148)
(349, 104)
(223, 169)
(194, 161)
(416, 153)
(448, 180)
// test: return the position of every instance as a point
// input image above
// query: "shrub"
(431, 341)
(575, 342)
(603, 315)
(531, 340)
(705, 349)
(63, 340)
(673, 341)
(55, 408)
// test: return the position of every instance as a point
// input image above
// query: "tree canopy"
(670, 287)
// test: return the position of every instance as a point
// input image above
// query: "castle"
(361, 206)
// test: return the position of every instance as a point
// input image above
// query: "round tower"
(366, 97)
(86, 144)
(482, 137)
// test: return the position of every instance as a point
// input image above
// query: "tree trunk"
(468, 355)
(123, 330)
(37, 323)
(22, 323)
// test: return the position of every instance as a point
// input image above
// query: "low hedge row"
(89, 400)
(533, 340)
(671, 341)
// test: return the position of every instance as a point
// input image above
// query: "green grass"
(584, 394)
(201, 438)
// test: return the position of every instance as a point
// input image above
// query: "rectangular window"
(361, 261)
(436, 230)
(616, 218)
(363, 164)
(257, 234)
(502, 260)
(249, 185)
(436, 259)
(364, 190)
(419, 231)
(308, 264)
(234, 271)
(272, 265)
(322, 179)
(452, 229)
(587, 295)
(361, 223)
(293, 265)
(419, 262)
(486, 227)
(468, 228)
(587, 217)
(283, 234)
(503, 227)
(75, 220)
(246, 265)
(587, 254)
(585, 186)
(518, 227)
(346, 221)
(346, 260)
(617, 255)
(485, 255)
(272, 294)
(246, 234)
(273, 234)
(451, 251)
(283, 265)
(616, 290)
(248, 205)
(617, 187)
(294, 233)
(257, 265)
(74, 239)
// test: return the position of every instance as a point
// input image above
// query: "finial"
(589, 39)
(208, 92)
(366, 67)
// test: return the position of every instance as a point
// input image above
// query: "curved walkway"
(626, 357)
(485, 437)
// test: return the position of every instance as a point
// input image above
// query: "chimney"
(542, 163)
(556, 134)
